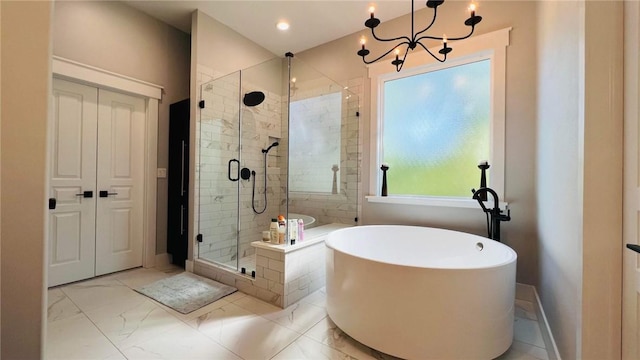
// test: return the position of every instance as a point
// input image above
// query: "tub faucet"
(494, 215)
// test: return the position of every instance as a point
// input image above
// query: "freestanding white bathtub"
(422, 293)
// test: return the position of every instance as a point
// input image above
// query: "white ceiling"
(312, 22)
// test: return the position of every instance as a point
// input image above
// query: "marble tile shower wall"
(342, 207)
(216, 144)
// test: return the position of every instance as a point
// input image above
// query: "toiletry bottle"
(300, 230)
(293, 231)
(273, 231)
(282, 229)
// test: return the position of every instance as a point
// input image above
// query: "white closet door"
(119, 214)
(72, 171)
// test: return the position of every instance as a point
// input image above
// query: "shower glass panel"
(323, 148)
(217, 170)
(241, 145)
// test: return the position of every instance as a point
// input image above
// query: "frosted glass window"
(314, 140)
(436, 128)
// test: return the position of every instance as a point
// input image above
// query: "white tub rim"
(330, 243)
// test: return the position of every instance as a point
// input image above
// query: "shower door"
(241, 162)
(217, 171)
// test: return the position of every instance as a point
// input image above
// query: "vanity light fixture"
(416, 39)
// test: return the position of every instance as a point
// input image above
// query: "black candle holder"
(384, 169)
(483, 166)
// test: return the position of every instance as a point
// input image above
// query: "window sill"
(433, 201)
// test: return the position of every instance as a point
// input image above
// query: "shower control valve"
(245, 174)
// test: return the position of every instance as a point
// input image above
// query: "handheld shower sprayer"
(264, 151)
(253, 173)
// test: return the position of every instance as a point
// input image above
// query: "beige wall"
(602, 192)
(121, 39)
(339, 61)
(26, 74)
(580, 162)
(224, 50)
(558, 175)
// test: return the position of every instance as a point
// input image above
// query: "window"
(314, 155)
(434, 139)
(437, 121)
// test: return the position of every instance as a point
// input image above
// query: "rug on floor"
(186, 292)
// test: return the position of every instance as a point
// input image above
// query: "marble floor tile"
(235, 296)
(522, 351)
(328, 333)
(299, 317)
(60, 306)
(103, 318)
(213, 322)
(256, 306)
(131, 323)
(317, 298)
(525, 309)
(76, 337)
(252, 338)
(305, 348)
(182, 342)
(527, 331)
(95, 293)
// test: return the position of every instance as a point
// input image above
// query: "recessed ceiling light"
(282, 25)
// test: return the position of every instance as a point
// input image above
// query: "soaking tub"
(309, 221)
(422, 293)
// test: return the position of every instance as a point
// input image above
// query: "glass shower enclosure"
(275, 139)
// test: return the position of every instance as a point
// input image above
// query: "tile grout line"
(94, 325)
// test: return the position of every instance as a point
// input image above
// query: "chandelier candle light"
(410, 43)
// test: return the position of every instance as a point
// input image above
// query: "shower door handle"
(229, 170)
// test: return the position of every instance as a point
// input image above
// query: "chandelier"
(410, 43)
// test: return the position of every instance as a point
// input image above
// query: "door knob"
(105, 193)
(634, 247)
(86, 194)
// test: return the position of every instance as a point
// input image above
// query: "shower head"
(264, 151)
(253, 98)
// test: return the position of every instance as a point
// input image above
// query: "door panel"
(119, 220)
(67, 226)
(73, 171)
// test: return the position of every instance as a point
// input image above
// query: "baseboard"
(547, 335)
(162, 260)
(525, 292)
(188, 266)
